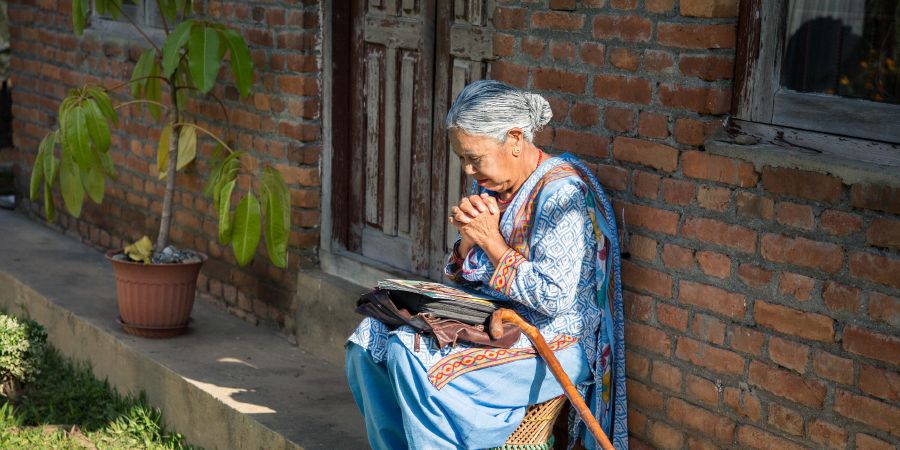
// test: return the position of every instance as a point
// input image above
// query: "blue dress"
(560, 274)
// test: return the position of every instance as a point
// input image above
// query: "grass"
(65, 407)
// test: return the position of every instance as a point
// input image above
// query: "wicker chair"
(536, 430)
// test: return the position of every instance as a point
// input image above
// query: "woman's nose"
(469, 169)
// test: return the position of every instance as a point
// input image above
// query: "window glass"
(848, 48)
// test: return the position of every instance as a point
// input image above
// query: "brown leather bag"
(379, 305)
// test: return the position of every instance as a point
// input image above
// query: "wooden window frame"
(122, 28)
(760, 98)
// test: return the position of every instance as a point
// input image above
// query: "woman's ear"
(515, 134)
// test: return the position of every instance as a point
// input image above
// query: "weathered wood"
(392, 250)
(407, 88)
(476, 12)
(471, 42)
(373, 128)
(395, 32)
(442, 78)
(341, 119)
(409, 6)
(761, 31)
(356, 207)
(838, 115)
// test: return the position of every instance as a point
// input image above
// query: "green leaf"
(104, 104)
(187, 146)
(162, 151)
(153, 91)
(172, 47)
(102, 6)
(51, 164)
(217, 162)
(203, 57)
(79, 15)
(224, 211)
(141, 70)
(168, 10)
(49, 206)
(106, 163)
(141, 250)
(230, 168)
(241, 64)
(277, 208)
(77, 138)
(97, 128)
(70, 185)
(94, 184)
(246, 233)
(37, 172)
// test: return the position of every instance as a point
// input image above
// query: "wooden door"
(392, 62)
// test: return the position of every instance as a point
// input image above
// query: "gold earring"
(516, 150)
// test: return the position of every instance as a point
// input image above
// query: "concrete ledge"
(225, 385)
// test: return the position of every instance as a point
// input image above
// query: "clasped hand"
(477, 217)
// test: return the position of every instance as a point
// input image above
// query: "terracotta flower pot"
(155, 300)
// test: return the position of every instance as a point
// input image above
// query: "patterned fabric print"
(524, 217)
(506, 271)
(461, 363)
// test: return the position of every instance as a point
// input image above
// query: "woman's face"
(485, 159)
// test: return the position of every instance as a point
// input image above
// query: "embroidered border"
(524, 217)
(452, 366)
(505, 272)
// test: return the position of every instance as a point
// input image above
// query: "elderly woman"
(537, 233)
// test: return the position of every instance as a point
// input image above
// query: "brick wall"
(762, 304)
(279, 124)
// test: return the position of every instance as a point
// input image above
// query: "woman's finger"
(478, 203)
(491, 202)
(459, 217)
(468, 208)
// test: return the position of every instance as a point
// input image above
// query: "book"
(441, 300)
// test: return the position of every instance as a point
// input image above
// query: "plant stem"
(216, 98)
(139, 79)
(136, 27)
(209, 133)
(166, 218)
(162, 16)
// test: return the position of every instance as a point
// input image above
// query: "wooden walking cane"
(507, 315)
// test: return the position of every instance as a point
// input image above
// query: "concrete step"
(225, 384)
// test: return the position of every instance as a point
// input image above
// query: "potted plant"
(155, 283)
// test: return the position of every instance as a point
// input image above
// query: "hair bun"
(540, 110)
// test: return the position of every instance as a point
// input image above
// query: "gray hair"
(491, 108)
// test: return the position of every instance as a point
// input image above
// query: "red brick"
(659, 6)
(840, 223)
(714, 264)
(555, 20)
(696, 36)
(707, 67)
(701, 100)
(564, 5)
(794, 322)
(796, 285)
(658, 156)
(785, 419)
(646, 280)
(871, 412)
(802, 252)
(718, 168)
(580, 142)
(754, 276)
(884, 233)
(649, 218)
(743, 403)
(677, 257)
(708, 328)
(612, 177)
(658, 61)
(710, 424)
(638, 307)
(702, 390)
(709, 8)
(643, 395)
(713, 198)
(880, 269)
(584, 114)
(884, 308)
(839, 297)
(712, 358)
(618, 119)
(645, 184)
(872, 345)
(876, 197)
(788, 354)
(672, 316)
(593, 53)
(506, 18)
(747, 340)
(747, 204)
(625, 58)
(298, 85)
(787, 385)
(626, 28)
(720, 233)
(623, 89)
(504, 44)
(677, 192)
(797, 216)
(833, 367)
(884, 384)
(866, 442)
(509, 73)
(562, 51)
(802, 183)
(304, 176)
(559, 107)
(827, 435)
(623, 4)
(637, 424)
(533, 46)
(559, 80)
(637, 366)
(663, 436)
(714, 299)
(692, 132)
(667, 376)
(752, 437)
(653, 125)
